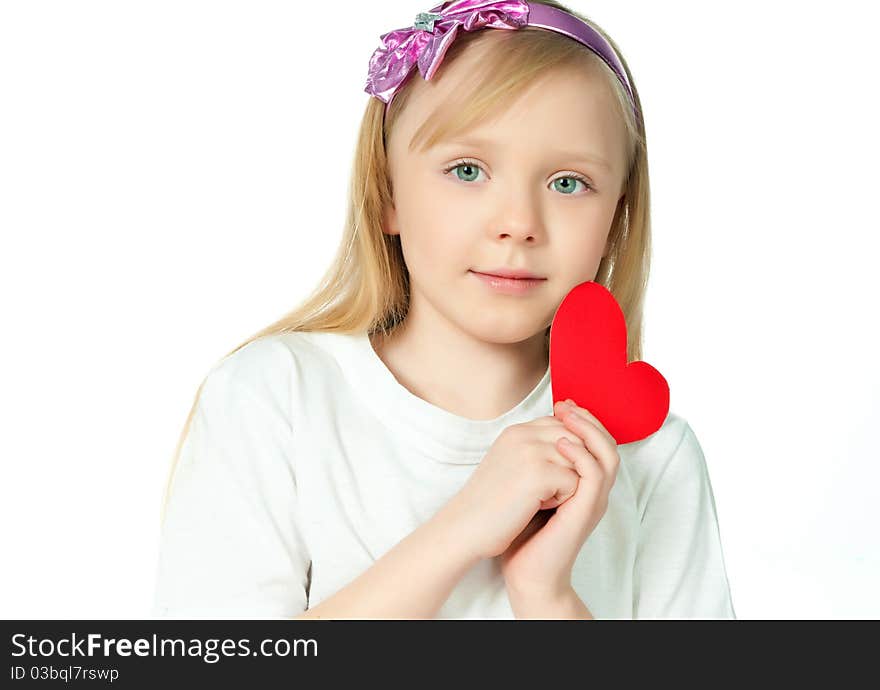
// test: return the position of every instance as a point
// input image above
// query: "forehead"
(565, 108)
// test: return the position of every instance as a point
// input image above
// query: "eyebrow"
(488, 144)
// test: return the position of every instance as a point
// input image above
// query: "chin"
(507, 334)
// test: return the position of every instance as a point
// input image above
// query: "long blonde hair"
(366, 287)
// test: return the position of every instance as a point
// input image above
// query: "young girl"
(390, 448)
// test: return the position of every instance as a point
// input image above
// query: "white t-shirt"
(307, 460)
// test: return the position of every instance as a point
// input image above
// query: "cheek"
(436, 242)
(424, 204)
(580, 250)
(577, 258)
(435, 246)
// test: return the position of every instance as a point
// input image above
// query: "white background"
(173, 178)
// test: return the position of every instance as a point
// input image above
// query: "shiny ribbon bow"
(426, 42)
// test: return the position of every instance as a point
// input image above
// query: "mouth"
(510, 273)
(508, 285)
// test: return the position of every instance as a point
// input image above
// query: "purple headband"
(427, 41)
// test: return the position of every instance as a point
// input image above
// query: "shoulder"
(647, 461)
(659, 445)
(266, 368)
(274, 368)
(268, 360)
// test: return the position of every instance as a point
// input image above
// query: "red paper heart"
(588, 364)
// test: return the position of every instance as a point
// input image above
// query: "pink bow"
(427, 41)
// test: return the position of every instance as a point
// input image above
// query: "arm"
(411, 581)
(569, 606)
(679, 566)
(231, 545)
(230, 542)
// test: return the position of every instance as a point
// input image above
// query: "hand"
(523, 472)
(539, 561)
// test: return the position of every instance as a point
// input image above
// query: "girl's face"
(534, 189)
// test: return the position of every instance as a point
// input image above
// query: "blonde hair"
(366, 287)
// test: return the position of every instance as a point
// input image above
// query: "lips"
(508, 286)
(514, 274)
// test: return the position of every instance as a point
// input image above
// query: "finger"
(562, 459)
(547, 419)
(564, 482)
(592, 435)
(551, 503)
(564, 407)
(589, 415)
(560, 430)
(596, 442)
(538, 520)
(560, 408)
(553, 428)
(585, 462)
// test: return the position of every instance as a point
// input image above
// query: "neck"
(459, 372)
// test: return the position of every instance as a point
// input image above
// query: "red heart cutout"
(588, 364)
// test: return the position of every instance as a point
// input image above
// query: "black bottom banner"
(131, 653)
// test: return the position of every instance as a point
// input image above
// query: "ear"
(389, 226)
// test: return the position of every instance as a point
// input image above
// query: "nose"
(525, 234)
(519, 216)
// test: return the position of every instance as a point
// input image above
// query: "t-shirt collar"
(440, 434)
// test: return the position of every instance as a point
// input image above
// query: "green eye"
(469, 167)
(573, 180)
(468, 171)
